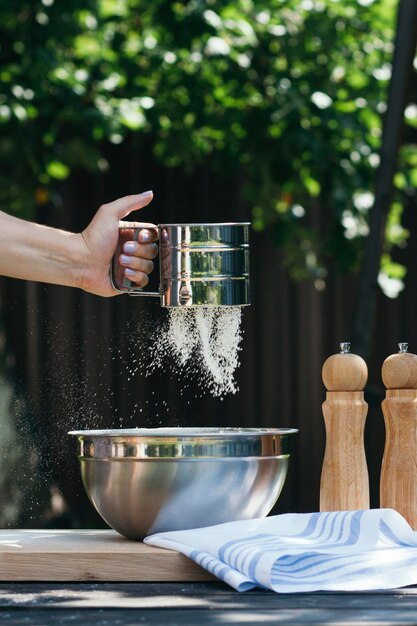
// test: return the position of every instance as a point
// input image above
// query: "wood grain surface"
(181, 604)
(398, 487)
(344, 482)
(89, 555)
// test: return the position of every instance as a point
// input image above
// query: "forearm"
(40, 253)
(34, 252)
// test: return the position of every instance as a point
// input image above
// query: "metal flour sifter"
(200, 264)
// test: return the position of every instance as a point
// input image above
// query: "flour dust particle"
(203, 342)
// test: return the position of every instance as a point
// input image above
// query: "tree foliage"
(292, 92)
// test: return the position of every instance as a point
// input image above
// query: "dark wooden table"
(199, 604)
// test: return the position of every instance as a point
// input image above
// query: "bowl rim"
(184, 432)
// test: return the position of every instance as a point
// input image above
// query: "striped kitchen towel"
(338, 551)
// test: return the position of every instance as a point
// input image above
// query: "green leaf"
(57, 170)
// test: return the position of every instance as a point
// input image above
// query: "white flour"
(203, 341)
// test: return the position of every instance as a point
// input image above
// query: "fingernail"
(129, 247)
(124, 259)
(129, 272)
(147, 193)
(145, 236)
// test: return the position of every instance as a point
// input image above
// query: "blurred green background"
(271, 111)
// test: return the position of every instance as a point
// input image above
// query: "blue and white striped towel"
(338, 551)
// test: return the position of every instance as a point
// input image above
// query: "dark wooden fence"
(72, 352)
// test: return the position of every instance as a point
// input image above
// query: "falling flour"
(203, 342)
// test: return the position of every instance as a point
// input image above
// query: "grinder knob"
(399, 371)
(344, 371)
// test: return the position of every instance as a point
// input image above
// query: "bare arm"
(40, 253)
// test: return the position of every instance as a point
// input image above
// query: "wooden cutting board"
(93, 555)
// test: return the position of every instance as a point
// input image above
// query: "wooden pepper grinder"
(398, 486)
(344, 478)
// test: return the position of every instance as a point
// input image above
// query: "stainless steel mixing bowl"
(143, 481)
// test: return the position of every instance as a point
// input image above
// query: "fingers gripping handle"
(119, 280)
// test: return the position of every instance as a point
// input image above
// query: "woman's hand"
(99, 241)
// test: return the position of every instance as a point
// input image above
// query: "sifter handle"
(119, 281)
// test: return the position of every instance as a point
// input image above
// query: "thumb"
(123, 206)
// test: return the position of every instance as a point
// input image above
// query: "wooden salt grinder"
(398, 486)
(344, 478)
